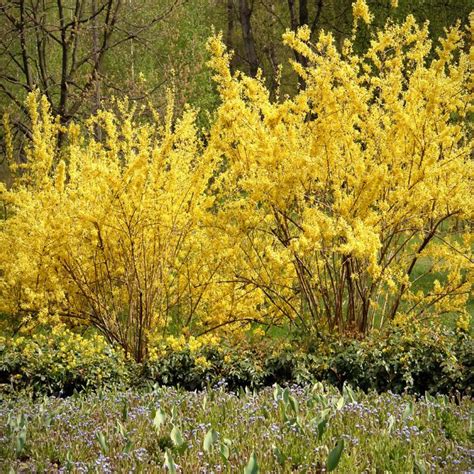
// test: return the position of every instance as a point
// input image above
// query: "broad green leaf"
(278, 455)
(320, 400)
(317, 387)
(282, 411)
(391, 422)
(408, 412)
(293, 403)
(252, 466)
(335, 456)
(120, 429)
(212, 395)
(102, 442)
(177, 437)
(128, 446)
(125, 411)
(277, 392)
(20, 442)
(69, 464)
(349, 393)
(322, 427)
(209, 440)
(324, 413)
(225, 451)
(340, 403)
(159, 419)
(169, 463)
(174, 414)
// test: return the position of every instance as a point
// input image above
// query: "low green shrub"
(207, 366)
(434, 359)
(60, 362)
(428, 359)
(431, 359)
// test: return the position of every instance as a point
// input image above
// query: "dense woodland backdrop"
(82, 53)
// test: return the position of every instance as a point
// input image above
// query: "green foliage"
(60, 362)
(335, 456)
(436, 361)
(432, 359)
(252, 465)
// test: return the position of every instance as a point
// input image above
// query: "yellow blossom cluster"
(60, 351)
(349, 204)
(360, 10)
(159, 346)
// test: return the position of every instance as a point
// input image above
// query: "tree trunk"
(247, 34)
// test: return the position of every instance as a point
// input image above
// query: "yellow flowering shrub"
(326, 210)
(108, 232)
(350, 203)
(360, 10)
(160, 346)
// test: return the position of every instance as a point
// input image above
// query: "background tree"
(262, 23)
(82, 53)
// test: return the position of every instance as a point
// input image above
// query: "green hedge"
(59, 362)
(434, 360)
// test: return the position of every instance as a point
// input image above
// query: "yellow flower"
(291, 211)
(194, 344)
(201, 361)
(259, 332)
(463, 323)
(361, 10)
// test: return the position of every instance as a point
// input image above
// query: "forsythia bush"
(327, 210)
(348, 205)
(107, 233)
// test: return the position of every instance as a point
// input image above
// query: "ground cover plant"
(297, 429)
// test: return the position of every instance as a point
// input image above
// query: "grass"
(426, 282)
(291, 430)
